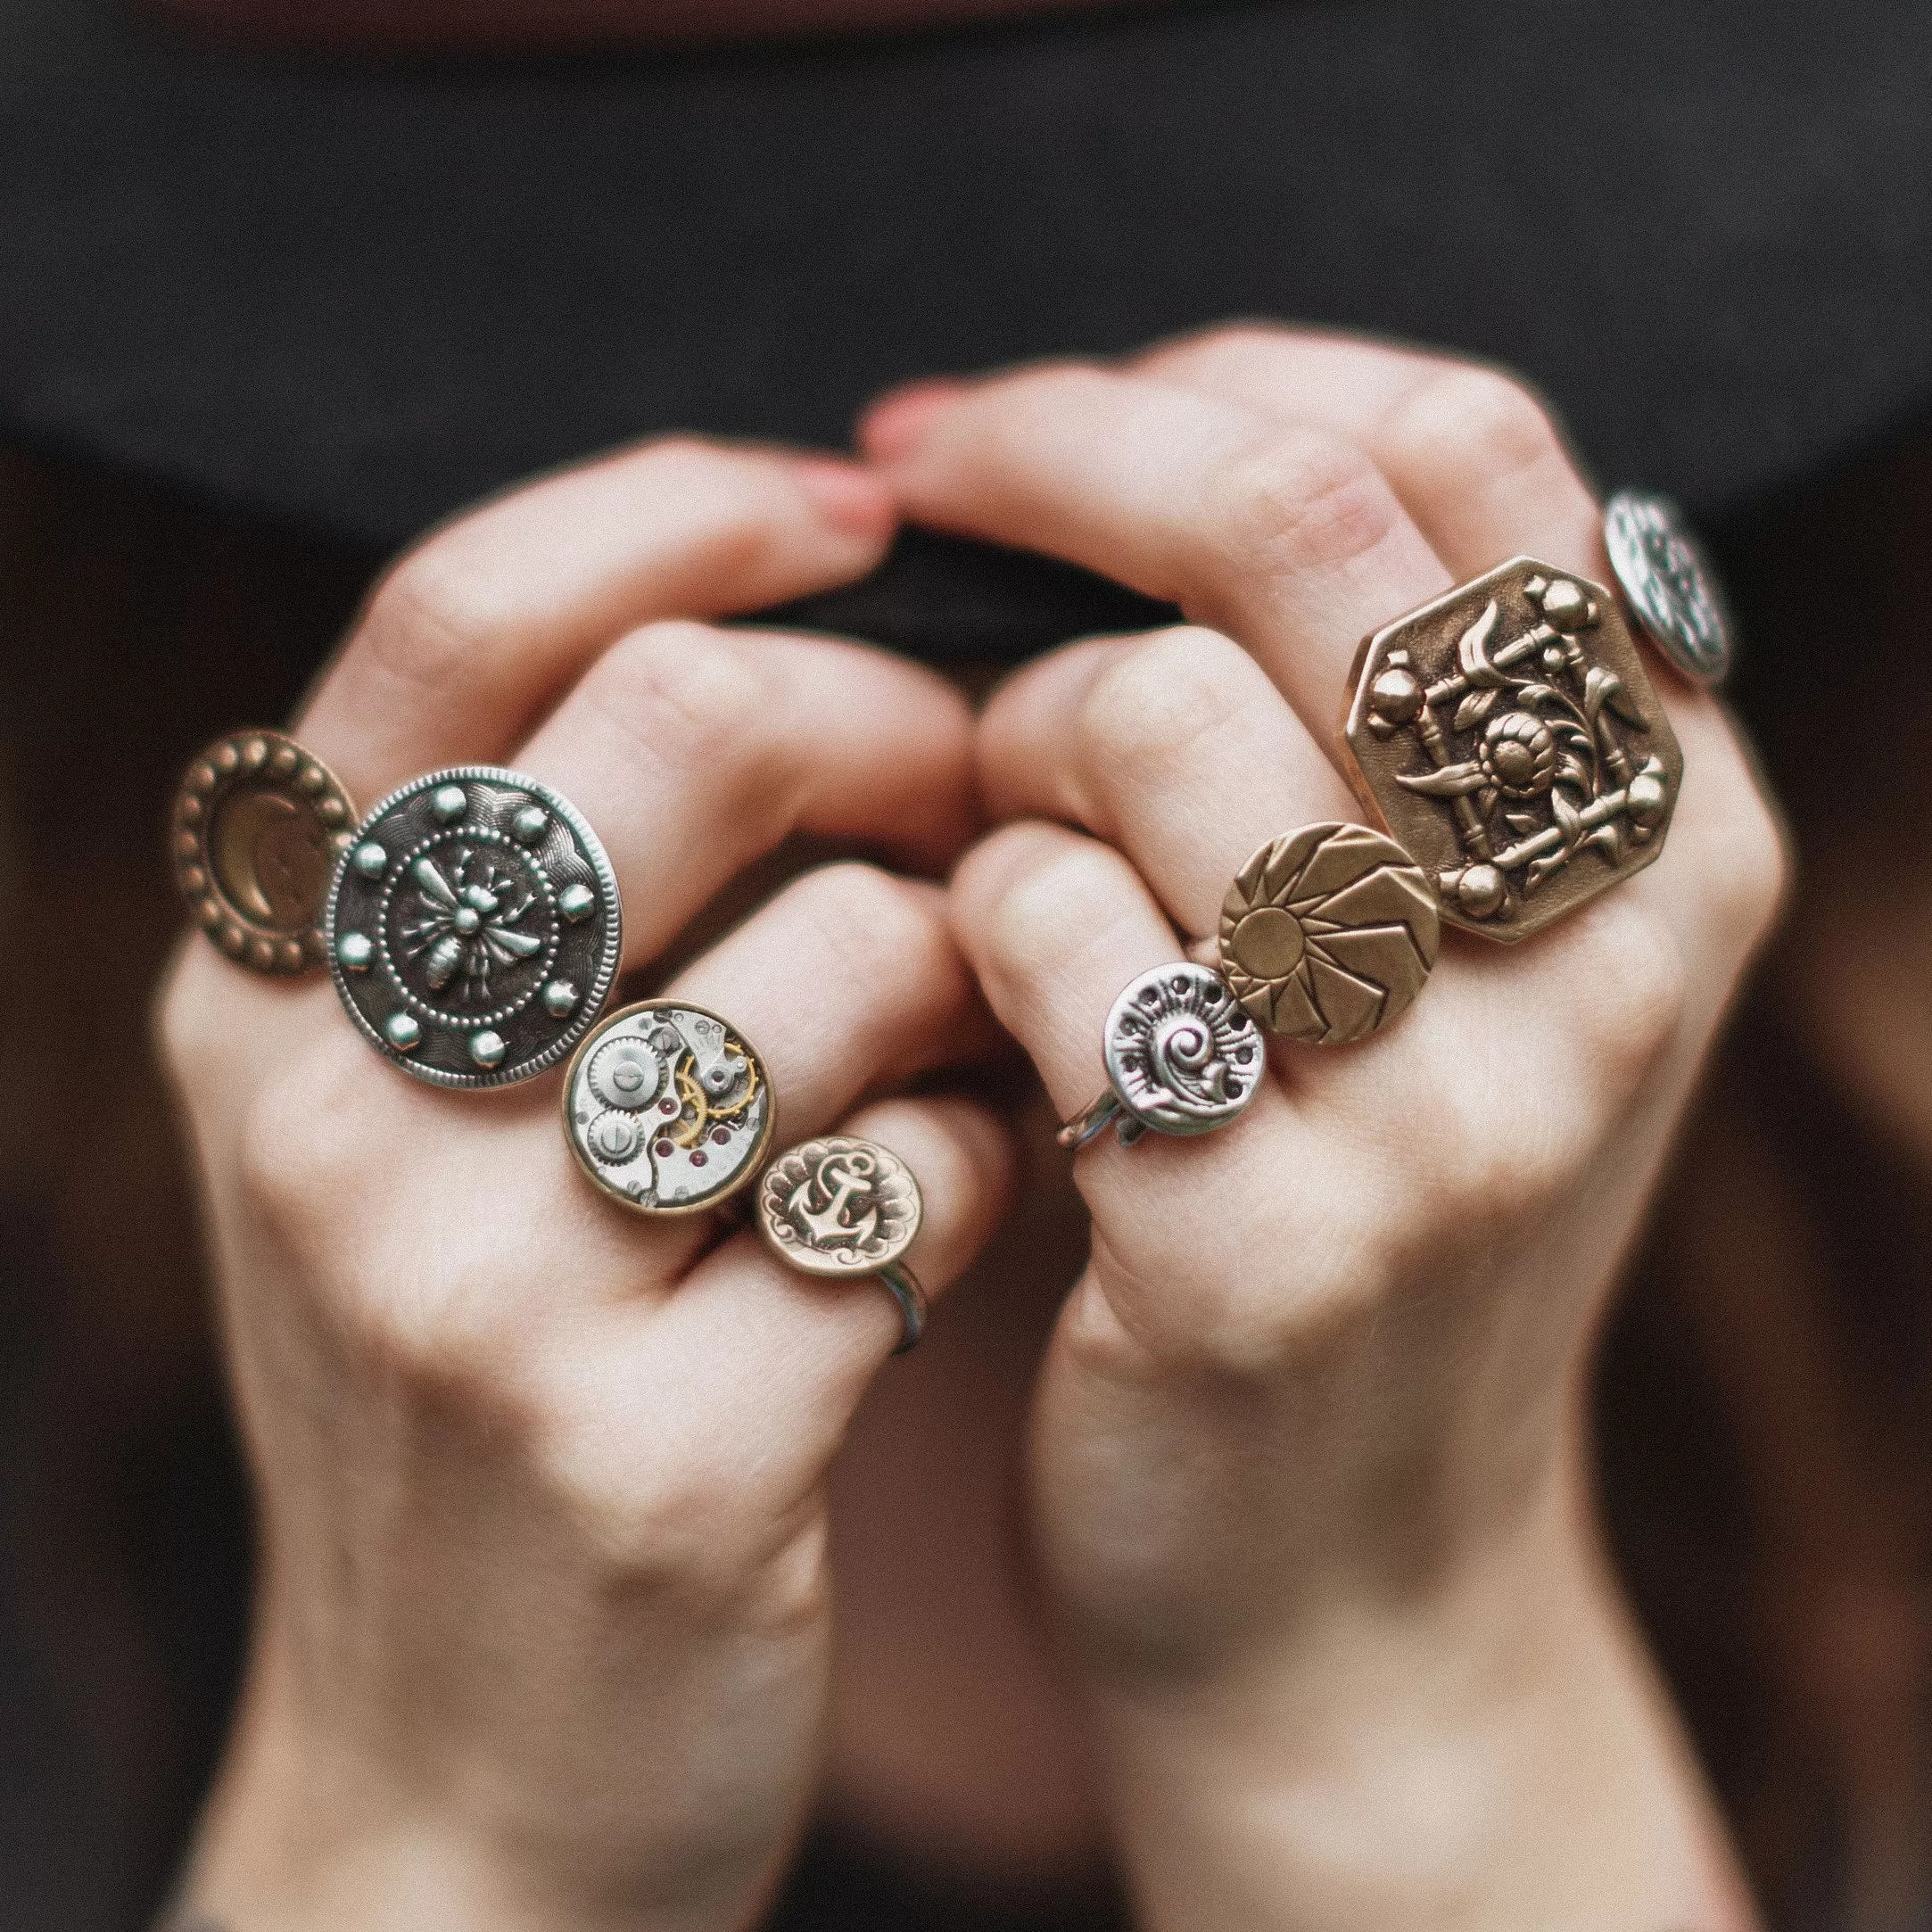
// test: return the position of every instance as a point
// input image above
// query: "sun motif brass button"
(258, 825)
(839, 1206)
(1328, 933)
(473, 927)
(1507, 736)
(667, 1109)
(1181, 1055)
(1671, 593)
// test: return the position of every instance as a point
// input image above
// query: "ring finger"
(1173, 747)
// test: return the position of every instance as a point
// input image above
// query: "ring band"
(1181, 1058)
(259, 824)
(840, 1208)
(473, 927)
(668, 1108)
(1509, 736)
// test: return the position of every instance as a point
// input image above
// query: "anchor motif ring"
(839, 1208)
(1670, 590)
(1507, 736)
(473, 927)
(259, 824)
(1183, 1057)
(667, 1108)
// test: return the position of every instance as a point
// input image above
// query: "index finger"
(1288, 539)
(477, 630)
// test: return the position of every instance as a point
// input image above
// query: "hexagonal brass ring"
(1507, 734)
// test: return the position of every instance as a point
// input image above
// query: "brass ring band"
(904, 1288)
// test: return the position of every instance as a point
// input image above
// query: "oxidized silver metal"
(473, 927)
(667, 1108)
(1328, 933)
(1670, 592)
(259, 823)
(839, 1206)
(1181, 1058)
(1509, 736)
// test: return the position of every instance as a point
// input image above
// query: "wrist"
(1493, 1740)
(304, 1832)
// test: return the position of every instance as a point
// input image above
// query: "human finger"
(1054, 924)
(846, 984)
(1288, 539)
(769, 1353)
(473, 634)
(1483, 466)
(1173, 747)
(848, 981)
(692, 750)
(1474, 452)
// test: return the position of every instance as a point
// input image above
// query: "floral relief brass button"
(1507, 735)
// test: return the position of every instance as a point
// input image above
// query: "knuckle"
(193, 1024)
(437, 611)
(1751, 878)
(1051, 900)
(1469, 417)
(1235, 347)
(865, 912)
(686, 691)
(298, 1152)
(404, 1310)
(1518, 1122)
(1628, 967)
(1300, 502)
(1160, 696)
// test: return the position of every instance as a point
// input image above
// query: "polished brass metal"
(259, 823)
(1328, 933)
(1507, 735)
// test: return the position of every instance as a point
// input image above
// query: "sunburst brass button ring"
(1328, 933)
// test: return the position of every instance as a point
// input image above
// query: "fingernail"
(848, 497)
(895, 423)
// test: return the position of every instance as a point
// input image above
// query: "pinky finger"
(764, 1363)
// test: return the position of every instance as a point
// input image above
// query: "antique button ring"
(473, 927)
(259, 824)
(1671, 592)
(840, 1208)
(1327, 934)
(667, 1108)
(1181, 1058)
(1507, 735)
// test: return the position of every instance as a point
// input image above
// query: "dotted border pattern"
(270, 950)
(590, 1007)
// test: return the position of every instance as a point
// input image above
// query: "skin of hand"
(542, 1616)
(1309, 1473)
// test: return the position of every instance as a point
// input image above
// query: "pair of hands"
(544, 1612)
